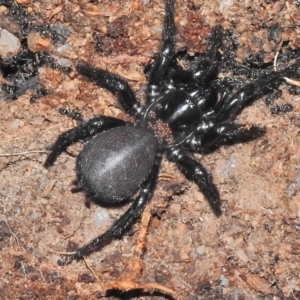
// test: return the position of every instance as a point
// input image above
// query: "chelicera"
(186, 111)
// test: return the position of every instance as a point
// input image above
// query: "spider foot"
(66, 259)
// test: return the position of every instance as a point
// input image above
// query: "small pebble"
(223, 281)
(9, 44)
(101, 217)
(200, 250)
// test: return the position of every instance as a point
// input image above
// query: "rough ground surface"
(251, 252)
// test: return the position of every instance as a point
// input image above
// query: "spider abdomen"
(114, 163)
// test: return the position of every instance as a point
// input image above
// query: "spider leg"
(167, 51)
(85, 130)
(208, 67)
(114, 84)
(224, 134)
(123, 223)
(230, 106)
(194, 171)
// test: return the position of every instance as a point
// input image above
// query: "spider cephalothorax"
(187, 111)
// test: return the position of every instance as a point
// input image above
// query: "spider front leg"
(85, 130)
(193, 170)
(167, 51)
(122, 225)
(230, 105)
(114, 84)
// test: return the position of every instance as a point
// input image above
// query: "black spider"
(186, 111)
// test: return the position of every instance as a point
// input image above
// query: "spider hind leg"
(85, 130)
(122, 225)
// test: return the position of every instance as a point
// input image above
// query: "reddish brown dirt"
(250, 252)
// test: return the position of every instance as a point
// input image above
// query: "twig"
(60, 252)
(275, 58)
(23, 269)
(25, 135)
(174, 275)
(90, 268)
(11, 232)
(288, 80)
(291, 81)
(23, 153)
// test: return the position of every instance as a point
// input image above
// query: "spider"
(185, 112)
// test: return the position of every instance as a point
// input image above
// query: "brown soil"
(250, 252)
